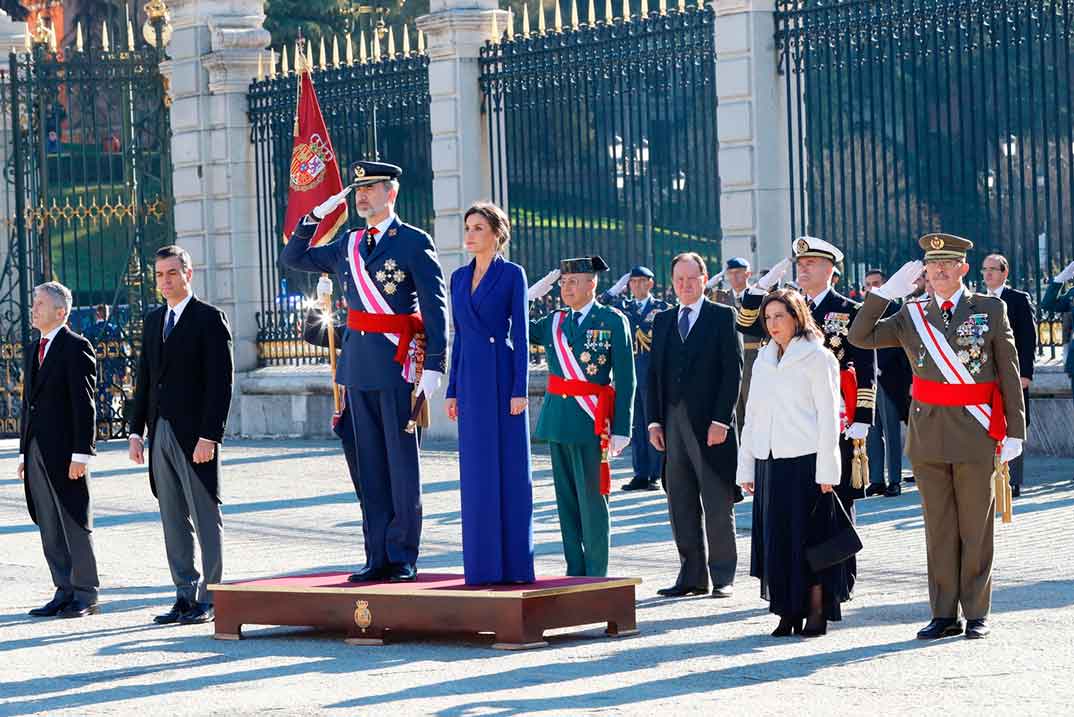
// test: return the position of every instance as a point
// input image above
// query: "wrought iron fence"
(377, 108)
(87, 145)
(603, 137)
(910, 116)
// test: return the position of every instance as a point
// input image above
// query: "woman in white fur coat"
(788, 458)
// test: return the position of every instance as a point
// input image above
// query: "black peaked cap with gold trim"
(364, 173)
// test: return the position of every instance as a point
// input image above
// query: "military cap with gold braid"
(583, 265)
(811, 246)
(944, 246)
(364, 173)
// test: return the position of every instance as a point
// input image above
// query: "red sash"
(848, 386)
(560, 386)
(936, 393)
(406, 325)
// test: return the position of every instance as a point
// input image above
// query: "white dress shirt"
(695, 310)
(998, 293)
(954, 299)
(584, 311)
(177, 310)
(75, 457)
(818, 298)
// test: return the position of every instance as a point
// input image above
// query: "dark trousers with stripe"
(388, 474)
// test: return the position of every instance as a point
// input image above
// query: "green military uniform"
(951, 452)
(602, 346)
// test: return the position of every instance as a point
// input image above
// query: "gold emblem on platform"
(936, 242)
(363, 616)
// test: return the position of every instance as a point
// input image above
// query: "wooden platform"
(436, 604)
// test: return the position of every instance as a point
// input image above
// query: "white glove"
(324, 287)
(1012, 448)
(902, 283)
(766, 282)
(618, 443)
(430, 381)
(618, 286)
(543, 286)
(711, 283)
(1066, 274)
(326, 207)
(857, 431)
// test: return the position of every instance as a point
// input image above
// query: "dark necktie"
(41, 352)
(812, 305)
(684, 322)
(169, 324)
(371, 237)
(948, 310)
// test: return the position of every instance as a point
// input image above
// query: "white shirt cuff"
(81, 458)
(202, 438)
(651, 426)
(722, 425)
(310, 220)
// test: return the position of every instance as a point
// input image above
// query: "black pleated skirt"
(784, 524)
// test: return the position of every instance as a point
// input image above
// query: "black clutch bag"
(842, 541)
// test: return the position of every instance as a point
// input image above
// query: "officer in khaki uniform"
(967, 399)
(590, 364)
(737, 273)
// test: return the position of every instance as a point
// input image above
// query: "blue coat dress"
(489, 366)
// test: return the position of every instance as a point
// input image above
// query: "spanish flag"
(314, 171)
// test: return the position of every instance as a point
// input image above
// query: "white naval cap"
(811, 246)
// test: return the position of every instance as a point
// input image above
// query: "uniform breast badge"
(591, 369)
(586, 357)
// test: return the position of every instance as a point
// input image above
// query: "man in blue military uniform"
(640, 307)
(394, 288)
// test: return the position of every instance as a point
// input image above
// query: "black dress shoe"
(681, 591)
(52, 608)
(171, 617)
(367, 575)
(893, 490)
(79, 608)
(198, 614)
(940, 627)
(653, 484)
(723, 591)
(874, 489)
(909, 479)
(1016, 491)
(977, 628)
(814, 630)
(402, 573)
(637, 483)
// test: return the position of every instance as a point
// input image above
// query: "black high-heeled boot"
(814, 629)
(787, 625)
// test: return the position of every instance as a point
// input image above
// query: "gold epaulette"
(866, 397)
(748, 317)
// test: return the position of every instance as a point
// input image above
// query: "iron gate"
(89, 162)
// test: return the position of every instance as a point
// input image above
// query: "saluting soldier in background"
(640, 307)
(587, 407)
(815, 261)
(737, 273)
(967, 398)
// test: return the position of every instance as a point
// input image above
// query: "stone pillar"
(455, 31)
(752, 116)
(12, 39)
(213, 58)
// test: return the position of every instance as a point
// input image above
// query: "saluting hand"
(204, 451)
(76, 470)
(543, 285)
(329, 205)
(766, 282)
(1066, 274)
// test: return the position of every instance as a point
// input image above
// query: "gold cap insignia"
(359, 172)
(936, 243)
(801, 245)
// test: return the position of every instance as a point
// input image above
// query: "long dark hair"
(804, 325)
(497, 219)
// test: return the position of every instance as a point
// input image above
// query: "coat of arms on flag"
(314, 171)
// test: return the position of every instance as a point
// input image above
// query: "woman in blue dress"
(487, 394)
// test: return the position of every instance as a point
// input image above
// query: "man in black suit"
(694, 378)
(995, 270)
(55, 446)
(181, 403)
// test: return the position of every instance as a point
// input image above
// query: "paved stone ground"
(289, 508)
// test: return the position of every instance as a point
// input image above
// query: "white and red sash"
(375, 303)
(571, 368)
(944, 356)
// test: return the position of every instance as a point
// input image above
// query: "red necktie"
(947, 308)
(41, 351)
(371, 236)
